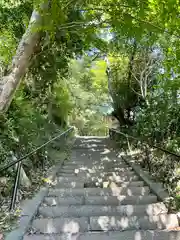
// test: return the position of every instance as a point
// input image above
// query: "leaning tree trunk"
(21, 61)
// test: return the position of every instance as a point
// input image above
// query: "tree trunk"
(21, 61)
(118, 114)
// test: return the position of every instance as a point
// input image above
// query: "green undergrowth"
(162, 168)
(56, 152)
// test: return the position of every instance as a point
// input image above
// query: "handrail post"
(19, 164)
(15, 187)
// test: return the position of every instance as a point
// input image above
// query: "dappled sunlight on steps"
(95, 196)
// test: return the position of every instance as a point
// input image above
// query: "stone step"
(76, 208)
(96, 165)
(91, 138)
(79, 159)
(101, 210)
(109, 176)
(69, 179)
(54, 201)
(92, 181)
(100, 183)
(84, 145)
(116, 223)
(60, 225)
(70, 184)
(119, 200)
(120, 179)
(98, 168)
(111, 235)
(105, 200)
(97, 172)
(98, 177)
(75, 163)
(89, 163)
(127, 191)
(93, 148)
(92, 145)
(104, 223)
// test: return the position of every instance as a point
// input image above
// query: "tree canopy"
(60, 59)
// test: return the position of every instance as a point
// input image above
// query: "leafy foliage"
(87, 92)
(43, 102)
(66, 77)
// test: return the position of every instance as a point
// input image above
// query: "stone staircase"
(97, 196)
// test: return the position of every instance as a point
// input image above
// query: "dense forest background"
(61, 60)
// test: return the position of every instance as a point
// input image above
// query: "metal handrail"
(33, 151)
(19, 162)
(151, 145)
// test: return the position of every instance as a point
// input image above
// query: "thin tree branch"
(136, 92)
(135, 77)
(69, 3)
(139, 20)
(95, 57)
(104, 7)
(83, 24)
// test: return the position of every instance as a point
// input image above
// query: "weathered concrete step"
(98, 168)
(99, 177)
(106, 223)
(69, 179)
(70, 184)
(95, 167)
(109, 176)
(98, 172)
(91, 138)
(101, 183)
(127, 191)
(99, 200)
(54, 201)
(124, 235)
(111, 180)
(118, 169)
(87, 163)
(100, 210)
(79, 159)
(119, 178)
(92, 145)
(119, 200)
(60, 225)
(115, 163)
(75, 163)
